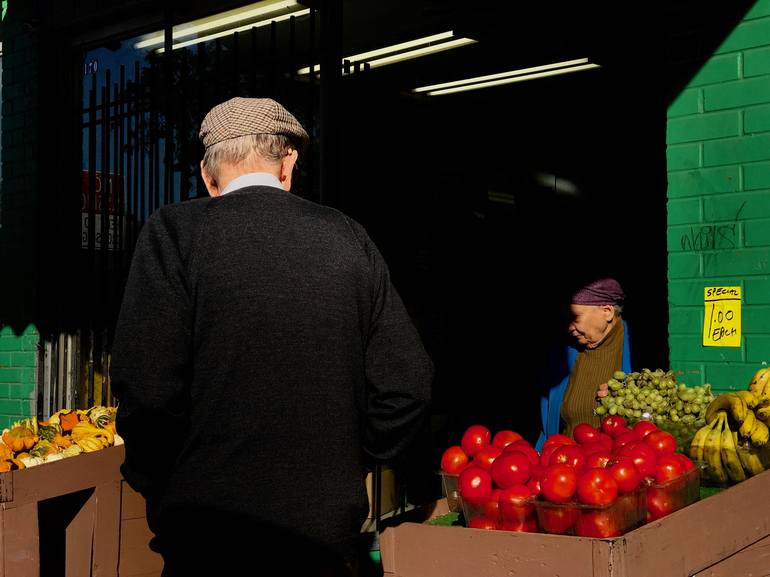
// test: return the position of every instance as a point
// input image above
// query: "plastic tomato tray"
(664, 498)
(627, 512)
(449, 486)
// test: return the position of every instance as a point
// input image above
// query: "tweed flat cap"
(244, 116)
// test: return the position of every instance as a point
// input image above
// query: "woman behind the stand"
(599, 347)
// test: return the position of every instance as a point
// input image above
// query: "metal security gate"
(140, 151)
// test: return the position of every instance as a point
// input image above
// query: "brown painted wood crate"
(725, 535)
(75, 515)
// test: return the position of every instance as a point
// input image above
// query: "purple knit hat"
(605, 291)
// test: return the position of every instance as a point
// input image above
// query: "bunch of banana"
(743, 409)
(715, 444)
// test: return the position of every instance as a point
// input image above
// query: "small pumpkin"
(20, 438)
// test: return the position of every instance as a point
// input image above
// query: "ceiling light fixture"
(509, 77)
(245, 17)
(403, 51)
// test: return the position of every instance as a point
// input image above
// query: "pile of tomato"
(574, 485)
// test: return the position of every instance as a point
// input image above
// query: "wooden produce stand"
(75, 517)
(725, 535)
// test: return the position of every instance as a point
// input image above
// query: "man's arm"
(151, 358)
(399, 371)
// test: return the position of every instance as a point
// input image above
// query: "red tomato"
(572, 455)
(604, 441)
(534, 486)
(599, 523)
(611, 424)
(545, 454)
(669, 467)
(528, 525)
(558, 439)
(584, 433)
(643, 456)
(475, 438)
(597, 457)
(661, 502)
(558, 483)
(644, 428)
(596, 487)
(622, 439)
(516, 503)
(504, 438)
(453, 460)
(664, 443)
(475, 484)
(523, 446)
(511, 468)
(486, 456)
(558, 520)
(482, 522)
(626, 475)
(492, 506)
(686, 462)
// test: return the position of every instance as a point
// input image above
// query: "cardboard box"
(66, 518)
(388, 492)
(725, 535)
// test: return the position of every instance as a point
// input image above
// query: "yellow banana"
(713, 450)
(760, 434)
(720, 403)
(763, 413)
(759, 381)
(751, 462)
(747, 425)
(730, 459)
(738, 408)
(750, 398)
(698, 443)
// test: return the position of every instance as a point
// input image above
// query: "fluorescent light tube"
(258, 11)
(231, 31)
(403, 51)
(510, 80)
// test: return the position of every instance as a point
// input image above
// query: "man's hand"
(602, 391)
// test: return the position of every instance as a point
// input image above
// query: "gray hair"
(266, 147)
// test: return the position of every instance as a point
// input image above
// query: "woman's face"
(591, 323)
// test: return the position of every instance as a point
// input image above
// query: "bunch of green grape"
(655, 396)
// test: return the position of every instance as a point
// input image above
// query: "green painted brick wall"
(18, 374)
(718, 154)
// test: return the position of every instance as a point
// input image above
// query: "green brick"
(685, 293)
(756, 119)
(755, 319)
(737, 262)
(703, 127)
(27, 359)
(5, 360)
(705, 236)
(759, 9)
(12, 375)
(747, 35)
(684, 211)
(10, 344)
(683, 156)
(757, 234)
(10, 407)
(736, 150)
(736, 206)
(730, 377)
(758, 348)
(684, 265)
(4, 391)
(757, 291)
(691, 374)
(690, 348)
(756, 175)
(737, 94)
(704, 181)
(756, 62)
(688, 102)
(685, 320)
(718, 69)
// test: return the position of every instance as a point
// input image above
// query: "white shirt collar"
(252, 179)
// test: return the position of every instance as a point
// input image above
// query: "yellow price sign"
(722, 316)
